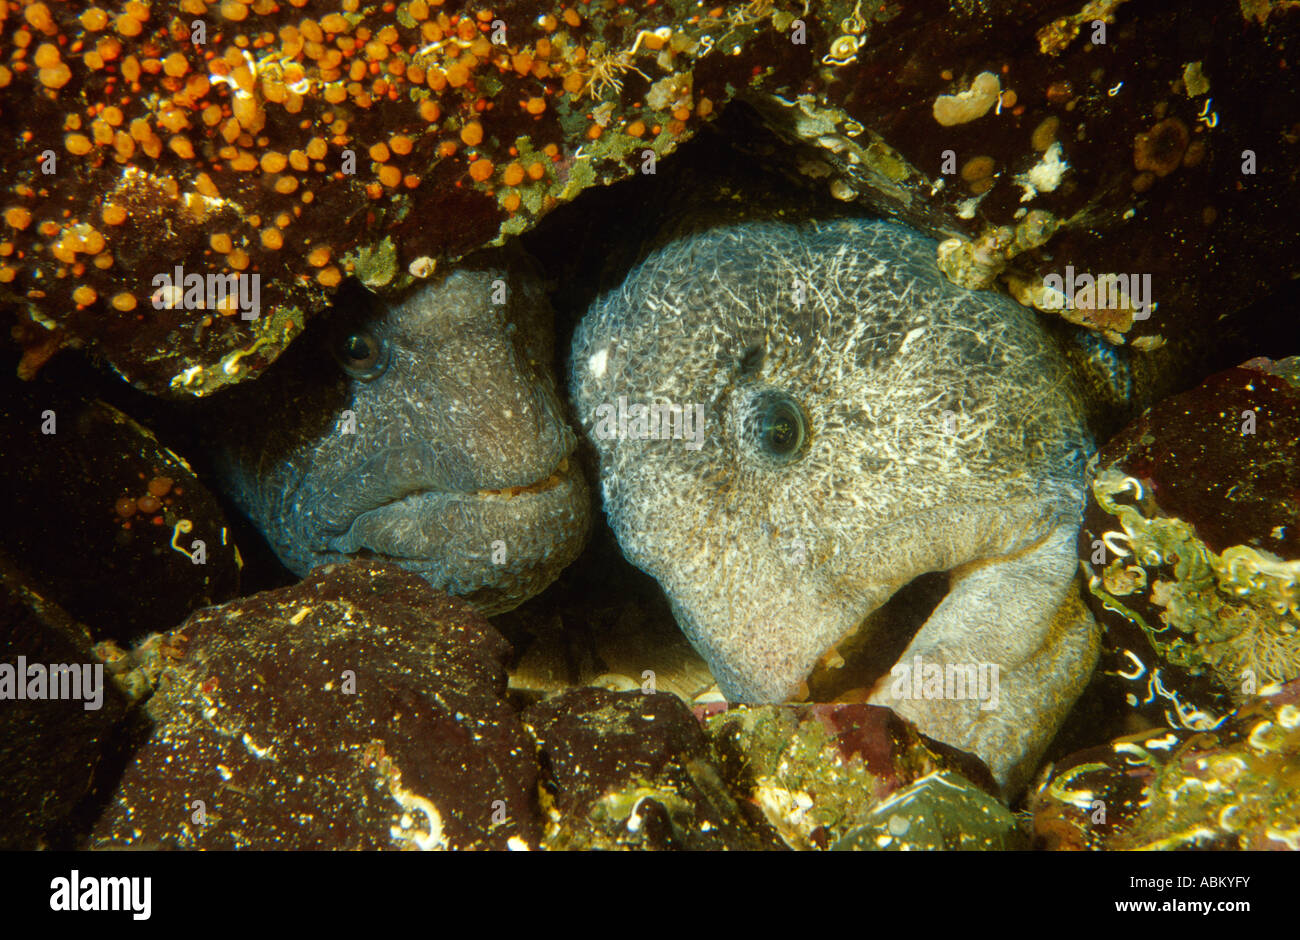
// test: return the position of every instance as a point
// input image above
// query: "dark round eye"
(779, 426)
(362, 355)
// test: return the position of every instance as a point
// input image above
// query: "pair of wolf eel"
(864, 421)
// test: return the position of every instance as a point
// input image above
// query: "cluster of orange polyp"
(218, 136)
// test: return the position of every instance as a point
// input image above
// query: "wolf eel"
(865, 422)
(428, 432)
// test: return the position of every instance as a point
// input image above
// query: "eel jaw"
(451, 538)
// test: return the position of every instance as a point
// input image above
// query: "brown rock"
(356, 710)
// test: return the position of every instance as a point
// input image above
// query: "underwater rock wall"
(308, 141)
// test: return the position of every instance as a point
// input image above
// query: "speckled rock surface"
(49, 749)
(1192, 545)
(822, 773)
(113, 525)
(1233, 788)
(357, 710)
(627, 770)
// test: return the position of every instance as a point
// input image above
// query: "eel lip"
(420, 523)
(554, 479)
(408, 473)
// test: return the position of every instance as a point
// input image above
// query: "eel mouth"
(850, 668)
(550, 482)
(434, 524)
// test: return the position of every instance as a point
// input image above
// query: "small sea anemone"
(1161, 148)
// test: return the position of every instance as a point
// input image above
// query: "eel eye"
(362, 355)
(779, 426)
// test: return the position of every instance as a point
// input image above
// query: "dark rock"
(627, 770)
(50, 748)
(105, 518)
(1221, 456)
(1113, 138)
(472, 121)
(1232, 788)
(358, 709)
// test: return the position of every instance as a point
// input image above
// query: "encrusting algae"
(1235, 614)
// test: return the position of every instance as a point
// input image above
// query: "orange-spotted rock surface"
(301, 142)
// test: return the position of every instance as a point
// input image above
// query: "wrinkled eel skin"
(429, 433)
(865, 422)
